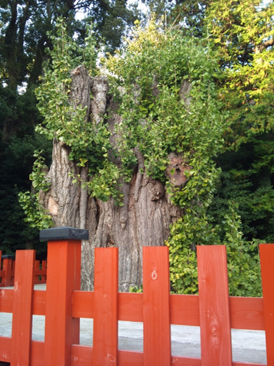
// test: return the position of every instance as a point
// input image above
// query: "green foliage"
(38, 174)
(88, 141)
(104, 184)
(193, 229)
(136, 289)
(242, 256)
(251, 188)
(36, 215)
(151, 70)
(61, 120)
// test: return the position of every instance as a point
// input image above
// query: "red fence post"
(214, 306)
(37, 267)
(63, 276)
(267, 262)
(44, 267)
(12, 271)
(7, 269)
(22, 308)
(156, 313)
(1, 283)
(105, 325)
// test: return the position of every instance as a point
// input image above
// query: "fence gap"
(22, 308)
(156, 310)
(105, 324)
(267, 262)
(214, 306)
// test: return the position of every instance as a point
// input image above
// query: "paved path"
(247, 346)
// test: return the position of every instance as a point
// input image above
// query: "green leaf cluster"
(88, 141)
(36, 215)
(150, 72)
(61, 119)
(242, 256)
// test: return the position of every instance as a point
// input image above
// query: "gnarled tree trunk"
(146, 215)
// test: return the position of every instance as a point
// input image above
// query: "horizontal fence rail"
(63, 304)
(7, 265)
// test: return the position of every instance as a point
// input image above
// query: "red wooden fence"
(63, 304)
(7, 266)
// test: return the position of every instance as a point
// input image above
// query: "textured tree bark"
(146, 216)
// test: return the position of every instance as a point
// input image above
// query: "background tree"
(242, 33)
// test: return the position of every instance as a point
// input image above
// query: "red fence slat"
(214, 306)
(105, 325)
(267, 263)
(130, 307)
(184, 310)
(7, 272)
(156, 288)
(246, 313)
(63, 304)
(22, 308)
(5, 349)
(39, 302)
(129, 358)
(37, 353)
(6, 300)
(44, 269)
(61, 330)
(37, 268)
(40, 274)
(82, 304)
(1, 273)
(81, 355)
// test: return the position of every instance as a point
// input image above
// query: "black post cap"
(63, 233)
(8, 256)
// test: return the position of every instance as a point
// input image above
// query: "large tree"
(134, 158)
